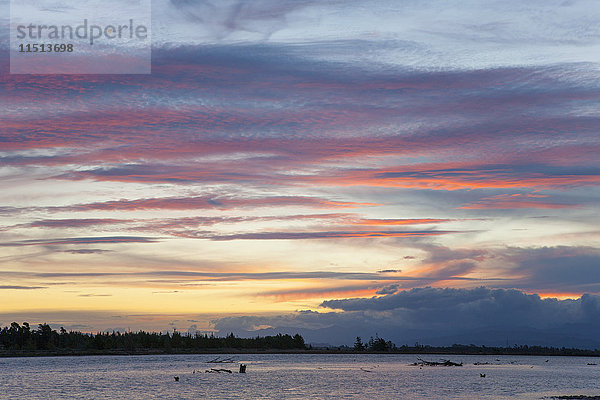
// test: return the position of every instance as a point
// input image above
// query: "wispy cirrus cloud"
(87, 251)
(74, 223)
(186, 203)
(227, 276)
(400, 221)
(324, 235)
(320, 292)
(465, 176)
(184, 227)
(210, 202)
(17, 287)
(80, 240)
(358, 100)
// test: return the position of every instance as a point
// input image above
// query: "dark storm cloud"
(391, 289)
(442, 316)
(561, 268)
(420, 298)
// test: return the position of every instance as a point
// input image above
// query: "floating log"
(443, 363)
(219, 370)
(220, 360)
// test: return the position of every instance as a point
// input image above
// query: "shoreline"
(144, 352)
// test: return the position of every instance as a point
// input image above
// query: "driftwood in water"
(219, 360)
(218, 370)
(443, 363)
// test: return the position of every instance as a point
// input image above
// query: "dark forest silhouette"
(23, 337)
(23, 340)
(378, 344)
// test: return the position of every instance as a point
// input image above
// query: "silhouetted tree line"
(23, 337)
(379, 344)
(524, 350)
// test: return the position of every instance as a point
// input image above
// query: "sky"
(427, 171)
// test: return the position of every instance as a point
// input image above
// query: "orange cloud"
(506, 201)
(405, 221)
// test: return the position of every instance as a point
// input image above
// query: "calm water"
(295, 377)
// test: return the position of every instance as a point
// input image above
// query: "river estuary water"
(293, 376)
